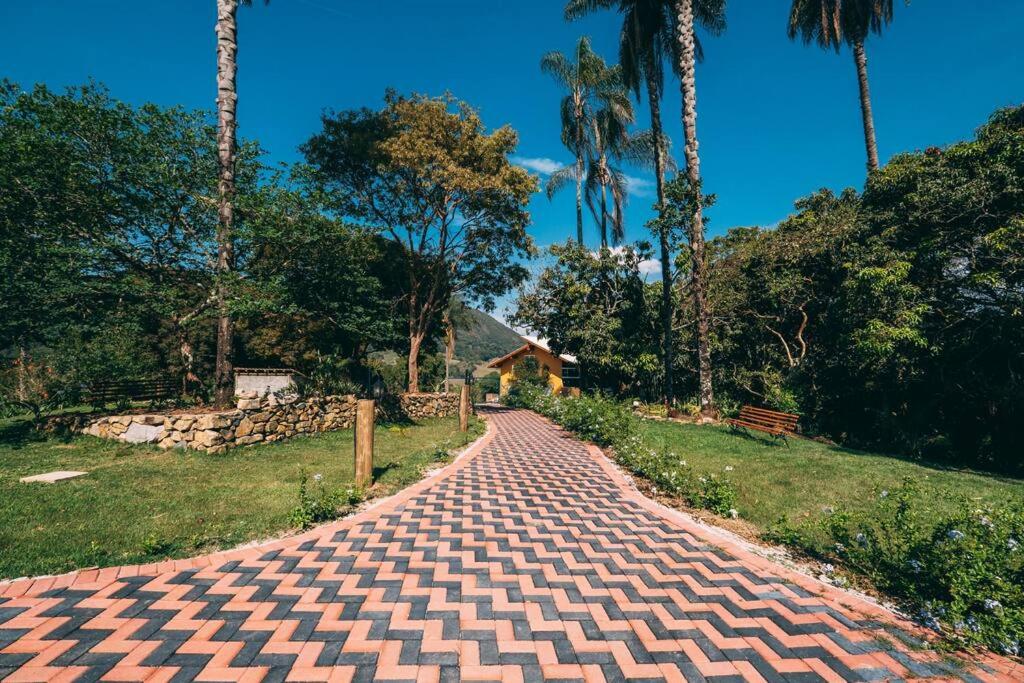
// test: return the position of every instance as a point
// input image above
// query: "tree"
(597, 307)
(581, 78)
(294, 307)
(611, 140)
(109, 217)
(227, 101)
(830, 23)
(711, 14)
(424, 172)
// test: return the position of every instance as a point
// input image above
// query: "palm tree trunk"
(860, 58)
(227, 98)
(604, 216)
(579, 200)
(654, 100)
(688, 87)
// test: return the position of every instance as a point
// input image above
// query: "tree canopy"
(425, 173)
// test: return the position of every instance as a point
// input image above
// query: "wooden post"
(365, 412)
(464, 409)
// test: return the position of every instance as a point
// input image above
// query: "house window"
(570, 374)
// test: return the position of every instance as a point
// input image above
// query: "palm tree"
(644, 42)
(579, 77)
(611, 140)
(711, 15)
(227, 99)
(830, 23)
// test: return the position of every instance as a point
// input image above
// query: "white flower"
(862, 539)
(986, 522)
(318, 477)
(1012, 544)
(827, 568)
(955, 535)
(992, 605)
(915, 565)
(728, 468)
(734, 513)
(884, 494)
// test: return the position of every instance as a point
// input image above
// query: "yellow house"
(562, 369)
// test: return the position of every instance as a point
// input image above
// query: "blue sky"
(778, 120)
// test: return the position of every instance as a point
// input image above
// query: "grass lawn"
(774, 481)
(140, 504)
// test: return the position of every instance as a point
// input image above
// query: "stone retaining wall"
(256, 420)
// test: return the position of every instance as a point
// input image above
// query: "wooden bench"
(156, 389)
(779, 425)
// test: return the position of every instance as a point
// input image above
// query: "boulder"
(207, 438)
(244, 428)
(140, 432)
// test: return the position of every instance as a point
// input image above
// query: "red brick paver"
(529, 559)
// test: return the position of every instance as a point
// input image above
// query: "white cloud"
(541, 165)
(639, 187)
(650, 267)
(646, 267)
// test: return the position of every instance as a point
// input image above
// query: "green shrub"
(319, 504)
(963, 577)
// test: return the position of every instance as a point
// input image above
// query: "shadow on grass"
(381, 470)
(801, 442)
(17, 433)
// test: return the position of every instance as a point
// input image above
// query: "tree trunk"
(227, 97)
(579, 200)
(604, 216)
(415, 341)
(449, 352)
(22, 373)
(654, 99)
(688, 87)
(860, 58)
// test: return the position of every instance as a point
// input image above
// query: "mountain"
(481, 338)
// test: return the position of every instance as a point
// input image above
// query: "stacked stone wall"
(256, 420)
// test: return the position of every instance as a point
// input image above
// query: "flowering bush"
(319, 504)
(611, 424)
(962, 577)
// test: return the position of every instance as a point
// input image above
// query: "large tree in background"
(830, 23)
(711, 15)
(425, 173)
(580, 78)
(227, 100)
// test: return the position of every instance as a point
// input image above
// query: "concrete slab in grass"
(52, 477)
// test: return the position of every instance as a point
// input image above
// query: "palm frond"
(558, 66)
(577, 9)
(559, 180)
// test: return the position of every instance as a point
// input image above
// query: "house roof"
(531, 342)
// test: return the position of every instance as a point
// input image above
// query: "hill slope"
(483, 339)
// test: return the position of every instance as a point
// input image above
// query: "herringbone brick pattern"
(530, 559)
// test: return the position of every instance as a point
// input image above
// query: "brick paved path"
(530, 559)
